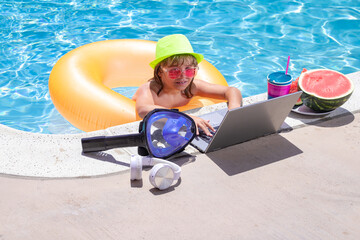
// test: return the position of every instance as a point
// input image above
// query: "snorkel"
(162, 133)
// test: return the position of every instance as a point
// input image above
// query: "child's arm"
(144, 101)
(205, 89)
(231, 94)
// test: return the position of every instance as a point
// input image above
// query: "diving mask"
(163, 133)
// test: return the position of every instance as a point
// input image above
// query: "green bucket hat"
(174, 45)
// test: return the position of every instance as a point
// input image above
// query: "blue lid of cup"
(279, 78)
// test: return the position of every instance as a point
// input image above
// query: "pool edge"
(60, 155)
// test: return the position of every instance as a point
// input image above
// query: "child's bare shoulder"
(198, 84)
(142, 90)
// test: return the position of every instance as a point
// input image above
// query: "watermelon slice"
(324, 90)
(294, 88)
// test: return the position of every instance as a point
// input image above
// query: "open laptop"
(245, 123)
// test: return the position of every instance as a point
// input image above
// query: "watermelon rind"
(321, 104)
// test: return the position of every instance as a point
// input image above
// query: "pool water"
(245, 40)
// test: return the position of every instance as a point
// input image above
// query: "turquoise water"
(245, 40)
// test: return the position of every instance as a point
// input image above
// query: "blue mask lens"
(168, 132)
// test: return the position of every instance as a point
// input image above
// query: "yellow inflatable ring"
(81, 82)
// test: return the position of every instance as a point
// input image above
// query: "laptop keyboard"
(205, 137)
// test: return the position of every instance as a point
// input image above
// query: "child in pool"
(174, 83)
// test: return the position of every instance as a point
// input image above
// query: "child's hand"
(203, 124)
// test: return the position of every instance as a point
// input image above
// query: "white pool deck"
(303, 183)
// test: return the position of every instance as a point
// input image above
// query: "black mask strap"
(142, 151)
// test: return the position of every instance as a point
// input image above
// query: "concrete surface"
(301, 184)
(59, 156)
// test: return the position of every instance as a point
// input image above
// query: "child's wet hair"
(176, 61)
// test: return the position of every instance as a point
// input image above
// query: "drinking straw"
(287, 65)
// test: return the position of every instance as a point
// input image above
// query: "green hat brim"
(199, 58)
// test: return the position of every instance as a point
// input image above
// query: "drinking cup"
(278, 84)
